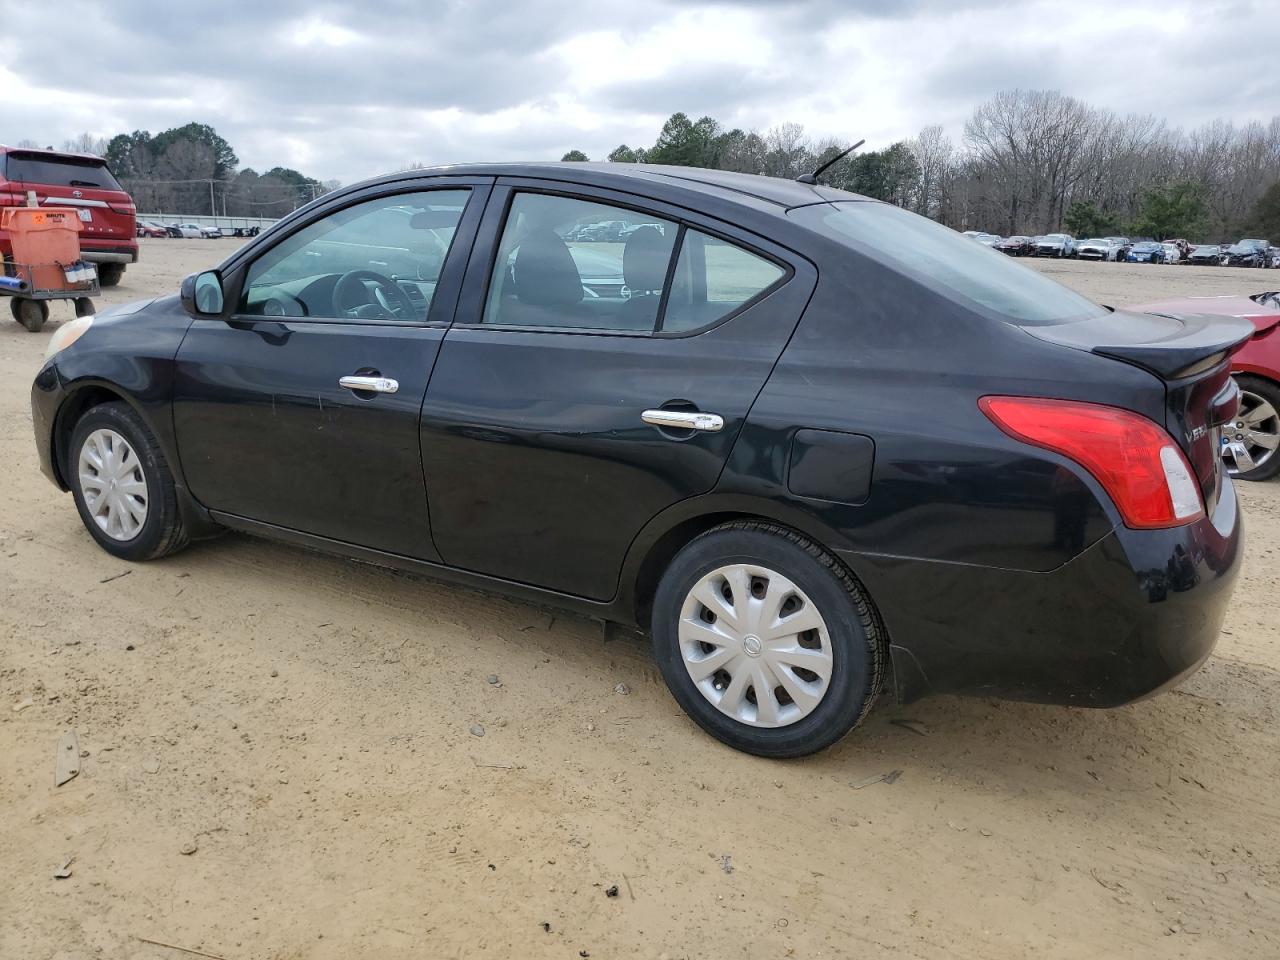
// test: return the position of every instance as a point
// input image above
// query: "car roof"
(726, 184)
(62, 154)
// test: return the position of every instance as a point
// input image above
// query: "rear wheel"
(110, 274)
(122, 485)
(1251, 439)
(766, 641)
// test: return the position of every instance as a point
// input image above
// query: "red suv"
(81, 181)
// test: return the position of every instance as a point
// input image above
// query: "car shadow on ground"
(1184, 738)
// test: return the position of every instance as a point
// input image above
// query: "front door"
(301, 409)
(602, 362)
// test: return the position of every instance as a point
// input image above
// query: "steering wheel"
(351, 297)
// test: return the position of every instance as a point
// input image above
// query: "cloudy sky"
(347, 90)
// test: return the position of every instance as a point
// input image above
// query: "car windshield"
(940, 258)
(59, 171)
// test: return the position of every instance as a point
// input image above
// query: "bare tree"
(935, 157)
(86, 143)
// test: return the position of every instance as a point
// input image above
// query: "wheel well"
(664, 550)
(69, 414)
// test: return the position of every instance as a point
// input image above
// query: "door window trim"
(452, 271)
(480, 271)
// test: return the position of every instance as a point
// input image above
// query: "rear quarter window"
(940, 258)
(714, 278)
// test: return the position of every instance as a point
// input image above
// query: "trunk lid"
(1190, 354)
(82, 183)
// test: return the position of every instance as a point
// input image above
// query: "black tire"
(85, 307)
(110, 274)
(162, 531)
(856, 636)
(30, 313)
(1269, 390)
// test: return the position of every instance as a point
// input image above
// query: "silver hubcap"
(755, 645)
(113, 484)
(1251, 439)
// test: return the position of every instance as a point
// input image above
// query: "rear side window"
(713, 278)
(60, 172)
(577, 264)
(939, 257)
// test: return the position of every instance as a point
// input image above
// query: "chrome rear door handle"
(684, 420)
(372, 384)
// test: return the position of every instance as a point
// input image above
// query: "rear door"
(300, 409)
(589, 382)
(83, 183)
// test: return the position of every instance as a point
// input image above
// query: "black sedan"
(1206, 255)
(803, 437)
(1246, 253)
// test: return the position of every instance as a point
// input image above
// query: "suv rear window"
(60, 171)
(940, 258)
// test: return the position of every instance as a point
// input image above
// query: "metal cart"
(29, 302)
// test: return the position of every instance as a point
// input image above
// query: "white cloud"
(351, 90)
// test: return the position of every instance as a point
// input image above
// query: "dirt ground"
(302, 724)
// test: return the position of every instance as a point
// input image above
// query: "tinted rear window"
(940, 258)
(60, 172)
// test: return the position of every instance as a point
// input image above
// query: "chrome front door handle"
(684, 420)
(371, 384)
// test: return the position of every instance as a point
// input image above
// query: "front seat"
(644, 270)
(545, 281)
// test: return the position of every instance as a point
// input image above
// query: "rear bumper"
(120, 253)
(1133, 614)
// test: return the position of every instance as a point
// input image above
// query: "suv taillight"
(1135, 459)
(129, 209)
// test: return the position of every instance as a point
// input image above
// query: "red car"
(1250, 441)
(148, 229)
(81, 181)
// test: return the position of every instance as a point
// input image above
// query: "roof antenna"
(813, 177)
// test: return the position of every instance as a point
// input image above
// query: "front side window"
(377, 260)
(713, 278)
(577, 264)
(938, 256)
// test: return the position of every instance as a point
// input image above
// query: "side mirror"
(201, 294)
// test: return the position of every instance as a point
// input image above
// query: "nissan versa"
(805, 438)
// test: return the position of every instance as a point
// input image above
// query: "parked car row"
(153, 228)
(1245, 253)
(608, 231)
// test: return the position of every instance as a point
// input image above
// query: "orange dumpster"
(44, 238)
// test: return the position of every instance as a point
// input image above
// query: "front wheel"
(122, 485)
(1251, 439)
(766, 641)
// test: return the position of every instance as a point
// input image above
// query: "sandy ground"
(302, 722)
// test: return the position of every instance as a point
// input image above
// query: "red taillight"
(1135, 459)
(129, 209)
